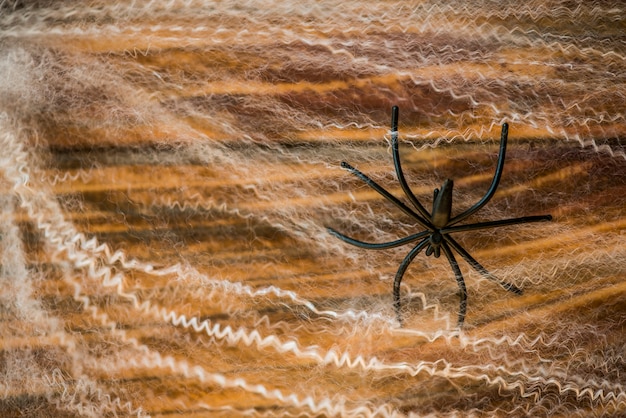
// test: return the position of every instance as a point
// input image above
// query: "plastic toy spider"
(439, 224)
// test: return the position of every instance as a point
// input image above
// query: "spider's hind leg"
(494, 183)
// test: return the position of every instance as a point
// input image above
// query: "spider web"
(168, 170)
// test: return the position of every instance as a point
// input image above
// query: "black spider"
(439, 225)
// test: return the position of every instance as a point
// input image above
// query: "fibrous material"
(169, 169)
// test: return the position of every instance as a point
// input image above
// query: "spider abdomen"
(442, 204)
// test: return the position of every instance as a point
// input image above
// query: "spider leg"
(478, 267)
(494, 183)
(459, 281)
(493, 224)
(423, 222)
(400, 273)
(398, 166)
(377, 246)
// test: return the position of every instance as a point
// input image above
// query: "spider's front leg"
(479, 268)
(433, 248)
(459, 281)
(400, 274)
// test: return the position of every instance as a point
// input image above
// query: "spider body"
(442, 209)
(438, 224)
